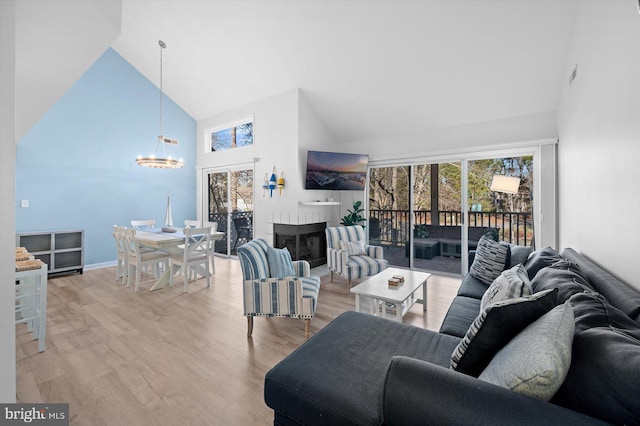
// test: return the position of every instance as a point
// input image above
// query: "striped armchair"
(293, 297)
(349, 265)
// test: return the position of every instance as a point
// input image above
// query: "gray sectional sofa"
(364, 370)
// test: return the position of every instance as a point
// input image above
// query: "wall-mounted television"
(336, 171)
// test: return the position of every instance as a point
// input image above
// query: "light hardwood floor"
(168, 357)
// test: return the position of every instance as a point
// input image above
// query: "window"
(232, 136)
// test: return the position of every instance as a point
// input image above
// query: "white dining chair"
(214, 228)
(142, 225)
(192, 224)
(145, 225)
(138, 259)
(122, 267)
(196, 254)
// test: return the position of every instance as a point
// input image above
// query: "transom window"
(232, 135)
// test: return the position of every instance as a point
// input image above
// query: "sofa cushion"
(304, 388)
(604, 378)
(537, 360)
(511, 283)
(564, 275)
(540, 259)
(490, 260)
(472, 287)
(495, 327)
(460, 316)
(280, 263)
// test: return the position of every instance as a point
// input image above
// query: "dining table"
(160, 239)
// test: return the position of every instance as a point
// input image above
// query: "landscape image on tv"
(336, 171)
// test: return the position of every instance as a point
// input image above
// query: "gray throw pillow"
(541, 259)
(564, 275)
(489, 261)
(353, 248)
(537, 360)
(511, 283)
(280, 263)
(518, 254)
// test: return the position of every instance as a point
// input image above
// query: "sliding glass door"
(501, 198)
(418, 213)
(417, 206)
(229, 202)
(437, 217)
(389, 214)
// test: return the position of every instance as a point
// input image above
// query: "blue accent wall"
(77, 166)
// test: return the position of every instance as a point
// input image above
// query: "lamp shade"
(507, 184)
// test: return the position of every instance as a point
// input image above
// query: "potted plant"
(354, 217)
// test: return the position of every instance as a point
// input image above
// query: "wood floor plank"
(168, 357)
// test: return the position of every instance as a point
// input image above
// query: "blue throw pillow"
(280, 264)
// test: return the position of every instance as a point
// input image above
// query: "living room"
(593, 119)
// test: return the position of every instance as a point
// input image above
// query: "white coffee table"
(375, 294)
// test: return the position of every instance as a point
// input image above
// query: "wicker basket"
(27, 265)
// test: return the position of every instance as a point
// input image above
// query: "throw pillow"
(495, 327)
(604, 378)
(280, 264)
(491, 233)
(536, 361)
(564, 275)
(511, 283)
(353, 248)
(540, 259)
(421, 231)
(490, 260)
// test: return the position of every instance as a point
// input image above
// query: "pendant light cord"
(162, 46)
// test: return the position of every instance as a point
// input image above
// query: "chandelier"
(154, 160)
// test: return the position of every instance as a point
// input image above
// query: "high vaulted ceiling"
(368, 68)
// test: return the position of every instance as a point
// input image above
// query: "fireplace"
(304, 242)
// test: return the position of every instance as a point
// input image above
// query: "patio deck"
(439, 264)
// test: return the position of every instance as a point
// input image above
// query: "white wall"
(275, 134)
(314, 135)
(453, 139)
(599, 131)
(7, 207)
(276, 143)
(47, 38)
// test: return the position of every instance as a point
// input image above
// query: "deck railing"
(392, 226)
(221, 218)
